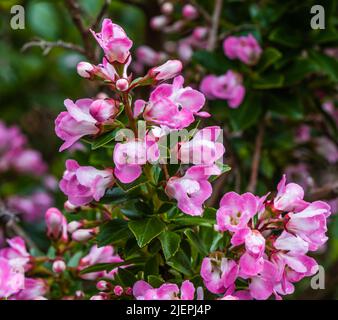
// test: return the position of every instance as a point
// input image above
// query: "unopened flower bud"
(79, 294)
(82, 235)
(85, 69)
(122, 85)
(59, 266)
(102, 285)
(129, 291)
(118, 290)
(103, 109)
(73, 226)
(166, 71)
(189, 12)
(158, 22)
(167, 8)
(56, 224)
(97, 297)
(69, 206)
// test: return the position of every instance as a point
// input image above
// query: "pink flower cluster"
(14, 262)
(168, 291)
(15, 155)
(270, 240)
(244, 48)
(227, 87)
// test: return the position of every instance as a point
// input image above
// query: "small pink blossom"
(226, 87)
(85, 184)
(11, 280)
(166, 71)
(114, 42)
(56, 224)
(189, 12)
(33, 289)
(193, 189)
(244, 48)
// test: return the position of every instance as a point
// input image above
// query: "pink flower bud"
(158, 22)
(69, 206)
(79, 294)
(167, 8)
(102, 285)
(122, 85)
(97, 297)
(82, 235)
(59, 266)
(200, 33)
(103, 109)
(166, 71)
(189, 12)
(129, 291)
(74, 225)
(85, 69)
(56, 224)
(118, 290)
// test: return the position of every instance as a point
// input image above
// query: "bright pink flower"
(289, 197)
(77, 122)
(218, 274)
(173, 106)
(291, 243)
(104, 109)
(244, 48)
(203, 148)
(32, 207)
(29, 161)
(168, 291)
(97, 255)
(33, 289)
(310, 224)
(166, 71)
(235, 211)
(189, 12)
(130, 156)
(226, 87)
(11, 280)
(56, 224)
(114, 42)
(193, 189)
(85, 184)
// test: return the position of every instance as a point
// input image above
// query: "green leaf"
(286, 36)
(268, 58)
(181, 263)
(224, 168)
(111, 266)
(104, 139)
(146, 230)
(326, 64)
(196, 242)
(155, 281)
(115, 196)
(213, 62)
(246, 114)
(132, 211)
(299, 69)
(74, 260)
(125, 277)
(286, 105)
(112, 232)
(194, 221)
(170, 242)
(133, 185)
(269, 81)
(151, 267)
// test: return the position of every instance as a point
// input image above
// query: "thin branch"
(47, 46)
(256, 158)
(76, 14)
(201, 10)
(101, 14)
(214, 25)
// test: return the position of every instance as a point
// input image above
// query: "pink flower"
(33, 289)
(244, 48)
(168, 291)
(189, 12)
(16, 253)
(11, 280)
(29, 161)
(218, 274)
(310, 224)
(291, 243)
(77, 122)
(148, 56)
(193, 189)
(173, 106)
(114, 42)
(31, 208)
(56, 225)
(97, 255)
(130, 156)
(166, 71)
(203, 148)
(289, 197)
(235, 211)
(226, 87)
(85, 184)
